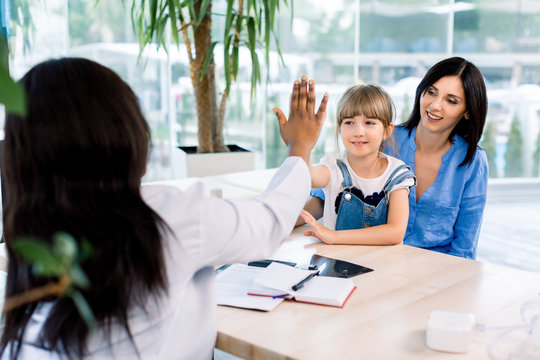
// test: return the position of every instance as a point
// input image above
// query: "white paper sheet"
(233, 283)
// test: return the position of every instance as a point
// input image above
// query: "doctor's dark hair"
(475, 99)
(74, 163)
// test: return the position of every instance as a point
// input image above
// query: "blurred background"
(338, 43)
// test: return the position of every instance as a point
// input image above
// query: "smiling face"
(363, 136)
(443, 105)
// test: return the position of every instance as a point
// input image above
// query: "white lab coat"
(207, 231)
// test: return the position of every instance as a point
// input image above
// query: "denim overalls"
(353, 213)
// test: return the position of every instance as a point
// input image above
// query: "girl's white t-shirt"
(368, 186)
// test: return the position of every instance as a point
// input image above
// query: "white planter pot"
(188, 163)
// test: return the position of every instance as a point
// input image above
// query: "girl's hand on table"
(319, 231)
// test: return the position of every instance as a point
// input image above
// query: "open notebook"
(277, 280)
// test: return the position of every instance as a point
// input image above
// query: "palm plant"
(248, 24)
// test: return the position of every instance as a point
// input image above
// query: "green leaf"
(78, 277)
(84, 310)
(227, 62)
(172, 18)
(153, 15)
(252, 33)
(191, 8)
(229, 18)
(11, 94)
(40, 255)
(235, 50)
(235, 61)
(255, 72)
(202, 12)
(64, 248)
(272, 7)
(239, 25)
(267, 24)
(207, 58)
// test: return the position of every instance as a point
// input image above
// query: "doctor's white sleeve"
(243, 230)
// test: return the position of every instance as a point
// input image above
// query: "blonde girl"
(366, 191)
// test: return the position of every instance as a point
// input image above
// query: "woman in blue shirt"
(440, 142)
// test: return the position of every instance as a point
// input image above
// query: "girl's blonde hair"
(369, 100)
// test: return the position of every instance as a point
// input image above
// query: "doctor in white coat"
(152, 272)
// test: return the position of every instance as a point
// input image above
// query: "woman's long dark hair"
(74, 163)
(475, 97)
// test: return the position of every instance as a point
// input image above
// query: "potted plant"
(248, 24)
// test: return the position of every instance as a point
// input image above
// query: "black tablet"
(336, 268)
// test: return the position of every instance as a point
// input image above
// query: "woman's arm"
(391, 233)
(471, 209)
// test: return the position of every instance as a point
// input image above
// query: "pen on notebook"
(301, 283)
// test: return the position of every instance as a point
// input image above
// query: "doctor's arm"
(247, 230)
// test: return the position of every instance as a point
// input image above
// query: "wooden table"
(386, 316)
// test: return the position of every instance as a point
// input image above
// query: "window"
(338, 43)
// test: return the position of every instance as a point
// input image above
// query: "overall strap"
(393, 179)
(347, 182)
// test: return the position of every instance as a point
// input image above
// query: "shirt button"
(347, 197)
(368, 210)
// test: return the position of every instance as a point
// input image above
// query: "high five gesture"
(301, 131)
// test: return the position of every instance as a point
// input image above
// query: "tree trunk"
(205, 88)
(202, 87)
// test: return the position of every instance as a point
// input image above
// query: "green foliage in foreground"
(60, 260)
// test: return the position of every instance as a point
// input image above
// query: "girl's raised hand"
(317, 230)
(301, 131)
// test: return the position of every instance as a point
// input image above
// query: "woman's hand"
(301, 131)
(317, 230)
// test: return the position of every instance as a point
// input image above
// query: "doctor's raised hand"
(301, 131)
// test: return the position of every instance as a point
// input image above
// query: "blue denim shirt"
(448, 216)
